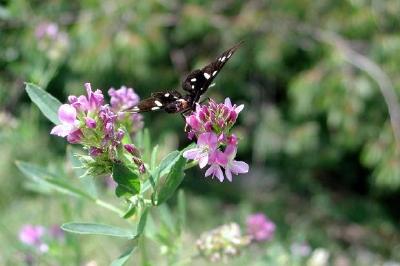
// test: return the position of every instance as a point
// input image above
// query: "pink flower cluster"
(35, 236)
(216, 146)
(122, 99)
(87, 120)
(260, 228)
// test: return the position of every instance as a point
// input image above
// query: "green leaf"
(142, 222)
(167, 185)
(153, 158)
(167, 163)
(181, 211)
(165, 166)
(45, 178)
(47, 104)
(97, 229)
(121, 260)
(127, 180)
(131, 211)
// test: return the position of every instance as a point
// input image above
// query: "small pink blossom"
(122, 99)
(69, 122)
(259, 227)
(46, 29)
(233, 166)
(31, 234)
(95, 99)
(217, 159)
(206, 146)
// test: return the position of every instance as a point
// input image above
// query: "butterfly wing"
(171, 102)
(199, 80)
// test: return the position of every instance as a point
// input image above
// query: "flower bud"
(90, 122)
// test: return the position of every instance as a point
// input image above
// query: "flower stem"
(109, 207)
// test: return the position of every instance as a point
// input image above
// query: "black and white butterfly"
(195, 85)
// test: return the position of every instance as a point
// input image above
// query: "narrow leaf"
(142, 222)
(165, 166)
(131, 211)
(97, 229)
(168, 184)
(42, 176)
(121, 260)
(47, 104)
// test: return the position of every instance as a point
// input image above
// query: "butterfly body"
(195, 84)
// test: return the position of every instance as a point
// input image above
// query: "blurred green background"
(317, 79)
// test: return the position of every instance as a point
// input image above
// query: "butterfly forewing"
(196, 83)
(199, 80)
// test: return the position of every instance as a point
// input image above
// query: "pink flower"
(90, 103)
(216, 146)
(259, 227)
(123, 98)
(217, 160)
(95, 99)
(233, 166)
(206, 146)
(31, 235)
(233, 109)
(213, 117)
(69, 123)
(47, 29)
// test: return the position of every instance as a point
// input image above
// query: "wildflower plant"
(115, 145)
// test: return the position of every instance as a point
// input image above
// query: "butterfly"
(195, 85)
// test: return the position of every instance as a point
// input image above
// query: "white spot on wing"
(215, 73)
(135, 109)
(212, 85)
(207, 76)
(166, 95)
(193, 80)
(229, 55)
(192, 86)
(223, 59)
(158, 103)
(155, 108)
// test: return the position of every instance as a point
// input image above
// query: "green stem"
(109, 206)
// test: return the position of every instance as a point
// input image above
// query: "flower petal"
(203, 160)
(239, 167)
(221, 158)
(219, 174)
(239, 108)
(210, 170)
(208, 139)
(228, 103)
(61, 130)
(67, 114)
(192, 154)
(228, 174)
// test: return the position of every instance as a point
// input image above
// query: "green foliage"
(127, 180)
(97, 229)
(47, 104)
(316, 130)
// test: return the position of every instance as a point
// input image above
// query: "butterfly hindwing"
(170, 101)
